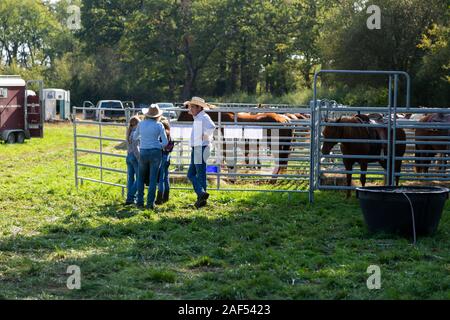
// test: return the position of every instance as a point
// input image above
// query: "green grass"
(243, 246)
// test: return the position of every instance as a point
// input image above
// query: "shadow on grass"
(119, 211)
(260, 247)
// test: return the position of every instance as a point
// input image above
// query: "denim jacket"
(151, 134)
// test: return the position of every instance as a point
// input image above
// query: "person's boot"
(166, 197)
(202, 200)
(159, 199)
(204, 196)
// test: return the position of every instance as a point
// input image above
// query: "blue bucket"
(212, 169)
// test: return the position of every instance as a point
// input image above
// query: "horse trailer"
(57, 105)
(21, 112)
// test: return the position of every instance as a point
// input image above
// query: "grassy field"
(243, 246)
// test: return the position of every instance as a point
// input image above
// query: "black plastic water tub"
(388, 209)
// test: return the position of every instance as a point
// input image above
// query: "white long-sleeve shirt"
(202, 131)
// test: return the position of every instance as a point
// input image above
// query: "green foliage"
(357, 96)
(28, 32)
(204, 261)
(346, 42)
(34, 72)
(150, 50)
(164, 276)
(434, 71)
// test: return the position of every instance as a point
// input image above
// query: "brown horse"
(362, 148)
(282, 147)
(431, 149)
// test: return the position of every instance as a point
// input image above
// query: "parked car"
(110, 113)
(88, 110)
(105, 110)
(164, 106)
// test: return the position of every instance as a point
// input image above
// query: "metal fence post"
(394, 140)
(388, 175)
(101, 147)
(219, 148)
(127, 117)
(313, 108)
(75, 147)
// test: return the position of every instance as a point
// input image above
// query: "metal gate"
(419, 147)
(243, 156)
(244, 153)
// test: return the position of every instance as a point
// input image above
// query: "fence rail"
(245, 154)
(242, 152)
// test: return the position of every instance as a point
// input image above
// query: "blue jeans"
(132, 177)
(164, 185)
(149, 163)
(197, 169)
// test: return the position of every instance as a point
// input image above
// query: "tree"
(347, 43)
(27, 28)
(433, 76)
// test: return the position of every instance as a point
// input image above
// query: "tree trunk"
(234, 73)
(244, 66)
(252, 83)
(188, 88)
(172, 84)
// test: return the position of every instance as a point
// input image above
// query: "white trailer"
(57, 104)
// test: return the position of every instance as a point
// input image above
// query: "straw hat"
(153, 112)
(198, 102)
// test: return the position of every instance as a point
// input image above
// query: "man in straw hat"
(153, 139)
(201, 138)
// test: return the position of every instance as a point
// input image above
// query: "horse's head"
(183, 114)
(439, 117)
(185, 105)
(331, 132)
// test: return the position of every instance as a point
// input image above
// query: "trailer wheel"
(11, 139)
(20, 137)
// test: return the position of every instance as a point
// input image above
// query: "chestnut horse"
(432, 149)
(282, 147)
(362, 148)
